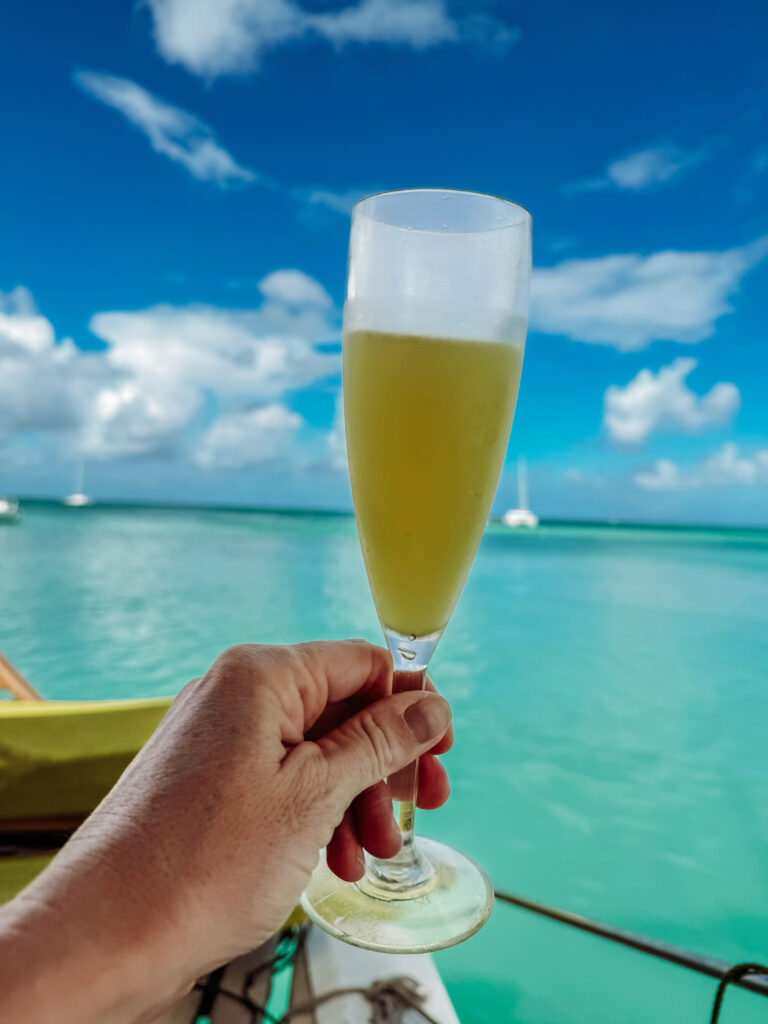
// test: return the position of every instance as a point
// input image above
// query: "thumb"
(381, 739)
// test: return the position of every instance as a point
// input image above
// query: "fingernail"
(428, 718)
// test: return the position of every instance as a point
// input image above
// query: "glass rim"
(447, 191)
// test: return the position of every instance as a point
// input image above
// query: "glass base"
(452, 905)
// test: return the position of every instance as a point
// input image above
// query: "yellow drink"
(427, 422)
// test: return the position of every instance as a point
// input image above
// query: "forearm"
(81, 945)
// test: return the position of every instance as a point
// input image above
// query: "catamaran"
(522, 515)
(78, 499)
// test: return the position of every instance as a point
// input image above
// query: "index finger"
(339, 708)
(340, 669)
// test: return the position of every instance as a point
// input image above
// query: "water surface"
(609, 692)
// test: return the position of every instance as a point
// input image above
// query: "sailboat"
(79, 498)
(9, 510)
(522, 515)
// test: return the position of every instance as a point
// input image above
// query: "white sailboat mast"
(522, 483)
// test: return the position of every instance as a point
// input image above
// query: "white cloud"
(213, 37)
(663, 475)
(85, 400)
(647, 168)
(248, 437)
(21, 324)
(663, 401)
(187, 352)
(136, 416)
(187, 140)
(628, 301)
(43, 383)
(416, 23)
(216, 37)
(239, 354)
(164, 370)
(728, 467)
(175, 133)
(295, 288)
(339, 202)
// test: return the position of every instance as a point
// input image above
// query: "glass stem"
(408, 781)
(409, 872)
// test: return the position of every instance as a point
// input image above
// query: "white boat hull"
(520, 517)
(9, 510)
(77, 500)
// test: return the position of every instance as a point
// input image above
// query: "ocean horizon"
(300, 510)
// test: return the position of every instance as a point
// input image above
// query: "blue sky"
(175, 183)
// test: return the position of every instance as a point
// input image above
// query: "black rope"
(210, 989)
(733, 974)
(661, 950)
(280, 960)
(387, 999)
(211, 986)
(258, 1013)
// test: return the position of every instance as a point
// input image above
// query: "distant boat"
(79, 498)
(522, 515)
(9, 510)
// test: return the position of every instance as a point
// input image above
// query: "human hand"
(273, 754)
(207, 841)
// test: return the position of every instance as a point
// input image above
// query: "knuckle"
(234, 682)
(235, 659)
(293, 657)
(308, 655)
(248, 663)
(378, 740)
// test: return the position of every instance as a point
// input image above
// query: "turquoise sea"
(610, 694)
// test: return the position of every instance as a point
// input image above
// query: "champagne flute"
(434, 332)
